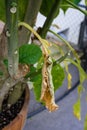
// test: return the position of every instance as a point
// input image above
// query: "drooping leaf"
(58, 76)
(29, 54)
(69, 77)
(80, 89)
(77, 109)
(85, 123)
(47, 87)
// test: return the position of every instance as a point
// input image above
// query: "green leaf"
(46, 7)
(37, 86)
(65, 5)
(2, 10)
(29, 54)
(77, 109)
(85, 123)
(40, 63)
(31, 73)
(86, 2)
(76, 1)
(58, 76)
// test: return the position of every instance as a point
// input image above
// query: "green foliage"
(37, 86)
(2, 10)
(65, 5)
(57, 75)
(86, 2)
(29, 54)
(76, 1)
(47, 6)
(31, 73)
(77, 109)
(85, 123)
(40, 63)
(22, 6)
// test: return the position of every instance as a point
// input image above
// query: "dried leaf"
(47, 92)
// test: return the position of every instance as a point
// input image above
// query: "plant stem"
(12, 35)
(27, 26)
(8, 84)
(76, 7)
(50, 18)
(70, 47)
(30, 18)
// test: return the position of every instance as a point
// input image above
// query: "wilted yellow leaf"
(77, 109)
(80, 89)
(69, 80)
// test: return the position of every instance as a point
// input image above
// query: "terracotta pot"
(18, 122)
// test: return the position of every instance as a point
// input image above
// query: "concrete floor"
(62, 119)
